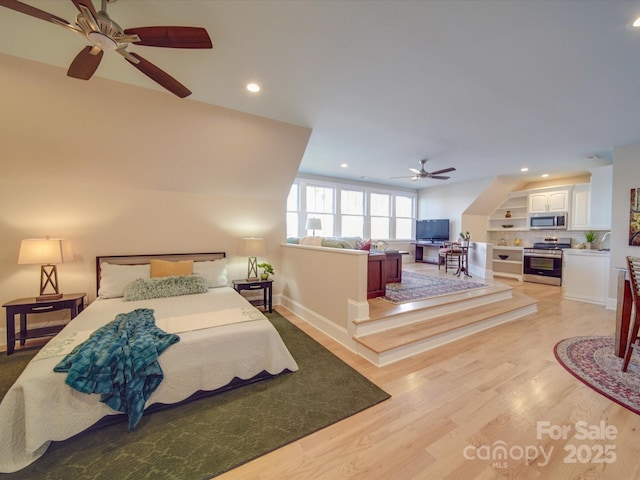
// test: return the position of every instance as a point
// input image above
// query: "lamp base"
(48, 296)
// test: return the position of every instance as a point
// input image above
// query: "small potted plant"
(464, 238)
(590, 238)
(267, 269)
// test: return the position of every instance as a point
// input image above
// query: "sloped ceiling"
(486, 86)
(109, 132)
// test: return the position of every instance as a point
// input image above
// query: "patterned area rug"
(416, 286)
(593, 361)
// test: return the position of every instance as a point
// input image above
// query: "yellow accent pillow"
(164, 268)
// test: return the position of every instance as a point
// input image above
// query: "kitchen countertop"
(584, 251)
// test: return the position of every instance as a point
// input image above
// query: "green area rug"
(209, 436)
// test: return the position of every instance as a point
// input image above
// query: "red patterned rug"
(592, 360)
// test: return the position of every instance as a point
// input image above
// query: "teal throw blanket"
(120, 362)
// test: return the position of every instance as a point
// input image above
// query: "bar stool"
(633, 265)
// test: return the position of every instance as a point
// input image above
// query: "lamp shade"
(314, 224)
(252, 247)
(45, 251)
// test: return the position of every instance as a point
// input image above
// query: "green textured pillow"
(147, 288)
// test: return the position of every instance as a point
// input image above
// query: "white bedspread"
(237, 342)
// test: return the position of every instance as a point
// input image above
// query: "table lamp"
(314, 224)
(252, 247)
(46, 252)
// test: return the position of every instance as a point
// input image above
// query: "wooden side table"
(74, 302)
(267, 291)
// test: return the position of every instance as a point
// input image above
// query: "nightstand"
(74, 302)
(267, 291)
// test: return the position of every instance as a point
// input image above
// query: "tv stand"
(427, 251)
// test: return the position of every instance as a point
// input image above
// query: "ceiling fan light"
(636, 23)
(102, 41)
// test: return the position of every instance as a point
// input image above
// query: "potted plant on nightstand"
(266, 270)
(589, 237)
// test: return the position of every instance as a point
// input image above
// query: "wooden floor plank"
(489, 387)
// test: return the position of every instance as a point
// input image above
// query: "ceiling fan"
(422, 173)
(105, 34)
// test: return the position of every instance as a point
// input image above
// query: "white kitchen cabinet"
(549, 201)
(580, 207)
(585, 275)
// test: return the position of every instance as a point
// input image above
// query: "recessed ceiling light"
(344, 165)
(544, 175)
(253, 87)
(524, 169)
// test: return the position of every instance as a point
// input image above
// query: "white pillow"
(113, 278)
(214, 271)
(313, 241)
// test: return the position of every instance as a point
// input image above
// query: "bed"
(223, 340)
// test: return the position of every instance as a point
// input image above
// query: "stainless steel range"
(543, 262)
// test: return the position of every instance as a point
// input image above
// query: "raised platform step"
(402, 341)
(384, 315)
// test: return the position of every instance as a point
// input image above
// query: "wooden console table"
(422, 250)
(383, 268)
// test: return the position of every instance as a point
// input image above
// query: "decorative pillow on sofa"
(214, 271)
(113, 278)
(164, 268)
(147, 288)
(364, 245)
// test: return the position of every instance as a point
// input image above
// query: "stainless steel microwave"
(548, 221)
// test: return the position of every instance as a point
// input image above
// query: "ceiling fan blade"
(439, 177)
(405, 177)
(159, 76)
(85, 64)
(86, 3)
(415, 170)
(171, 37)
(438, 172)
(34, 12)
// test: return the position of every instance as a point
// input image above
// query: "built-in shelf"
(510, 267)
(516, 206)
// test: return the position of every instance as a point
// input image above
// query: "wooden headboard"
(142, 259)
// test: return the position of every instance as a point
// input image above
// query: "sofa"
(353, 243)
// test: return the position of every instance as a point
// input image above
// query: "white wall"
(626, 175)
(118, 169)
(451, 201)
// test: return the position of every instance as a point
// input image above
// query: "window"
(380, 213)
(404, 217)
(352, 213)
(350, 210)
(320, 205)
(293, 217)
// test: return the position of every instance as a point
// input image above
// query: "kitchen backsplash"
(529, 237)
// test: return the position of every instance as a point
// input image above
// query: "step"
(392, 316)
(400, 342)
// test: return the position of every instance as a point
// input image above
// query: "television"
(435, 230)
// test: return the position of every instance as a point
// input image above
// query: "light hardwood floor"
(488, 390)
